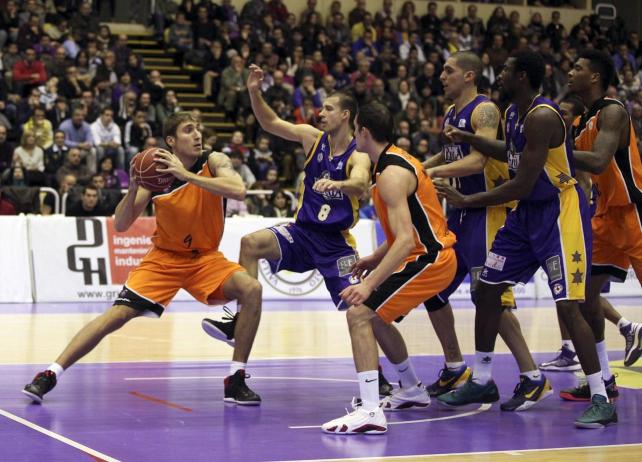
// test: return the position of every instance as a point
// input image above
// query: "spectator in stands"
(357, 13)
(328, 84)
(109, 173)
(88, 205)
(338, 30)
(74, 166)
(71, 87)
(72, 45)
(30, 32)
(154, 86)
(151, 117)
(107, 138)
(279, 206)
(241, 168)
(363, 71)
(278, 90)
(31, 157)
(107, 69)
(49, 93)
(203, 28)
(57, 67)
(233, 95)
(306, 90)
(180, 34)
(215, 62)
(40, 127)
(167, 107)
(126, 107)
(123, 86)
(134, 67)
(6, 150)
(55, 157)
(104, 38)
(307, 113)
(497, 53)
(237, 143)
(84, 22)
(18, 176)
(623, 57)
(28, 73)
(137, 131)
(108, 199)
(59, 112)
(262, 156)
(11, 21)
(6, 206)
(78, 135)
(89, 105)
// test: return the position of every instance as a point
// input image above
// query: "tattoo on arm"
(487, 116)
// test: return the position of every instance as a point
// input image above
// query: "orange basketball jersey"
(621, 183)
(189, 218)
(429, 223)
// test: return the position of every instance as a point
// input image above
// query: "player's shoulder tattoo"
(487, 116)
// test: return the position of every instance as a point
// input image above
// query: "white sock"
(455, 365)
(369, 389)
(236, 366)
(406, 373)
(596, 384)
(604, 359)
(622, 323)
(483, 369)
(535, 375)
(569, 345)
(56, 369)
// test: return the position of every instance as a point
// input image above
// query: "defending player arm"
(225, 182)
(396, 200)
(358, 175)
(434, 161)
(612, 122)
(539, 128)
(270, 122)
(484, 117)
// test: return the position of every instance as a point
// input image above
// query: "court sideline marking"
(56, 436)
(454, 454)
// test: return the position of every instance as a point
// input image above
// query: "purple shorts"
(554, 235)
(332, 253)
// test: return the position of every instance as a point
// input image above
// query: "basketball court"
(153, 391)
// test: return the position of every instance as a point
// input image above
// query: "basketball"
(146, 174)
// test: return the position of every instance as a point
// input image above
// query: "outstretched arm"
(539, 128)
(270, 122)
(613, 121)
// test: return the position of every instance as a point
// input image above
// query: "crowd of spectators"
(76, 103)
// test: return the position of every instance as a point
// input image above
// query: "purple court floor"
(174, 412)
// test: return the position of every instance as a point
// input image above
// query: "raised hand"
(254, 78)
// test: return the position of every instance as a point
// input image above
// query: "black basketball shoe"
(41, 384)
(221, 330)
(236, 391)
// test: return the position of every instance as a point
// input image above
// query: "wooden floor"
(36, 337)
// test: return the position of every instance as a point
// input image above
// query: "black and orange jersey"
(621, 183)
(189, 218)
(430, 228)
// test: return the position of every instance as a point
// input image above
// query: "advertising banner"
(15, 279)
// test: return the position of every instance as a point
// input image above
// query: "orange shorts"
(415, 283)
(617, 242)
(154, 283)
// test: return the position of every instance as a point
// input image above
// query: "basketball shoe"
(449, 380)
(633, 348)
(41, 384)
(527, 394)
(358, 421)
(385, 389)
(469, 393)
(221, 330)
(565, 361)
(403, 399)
(582, 391)
(600, 414)
(236, 390)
